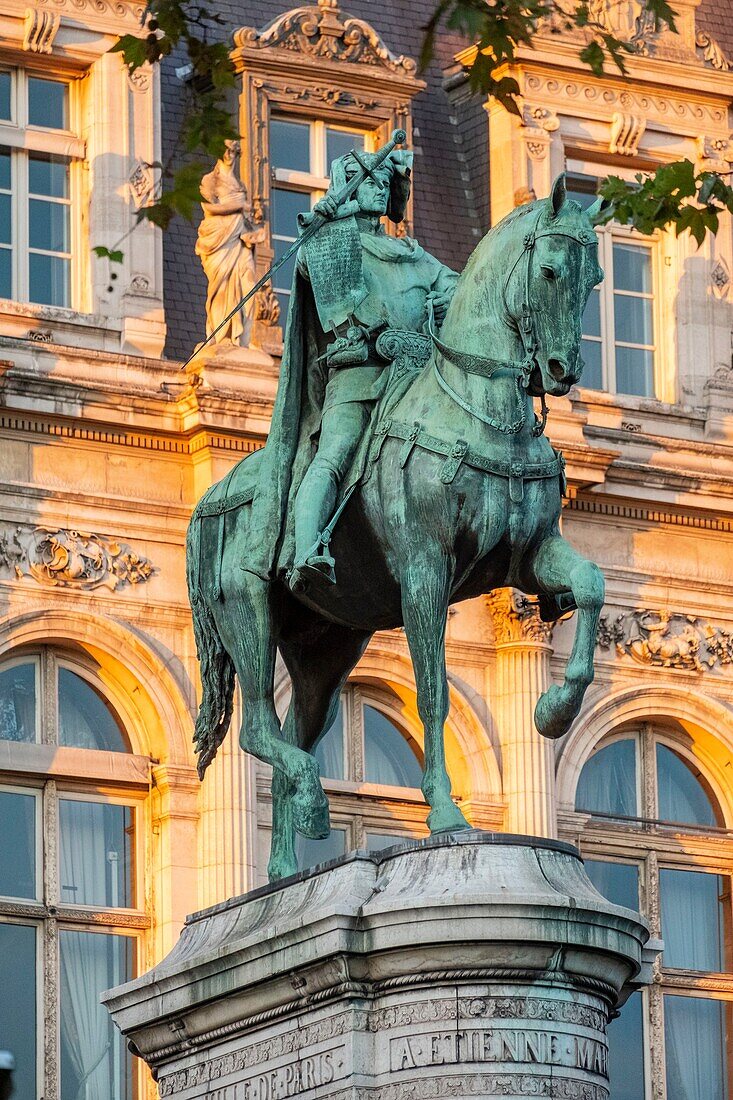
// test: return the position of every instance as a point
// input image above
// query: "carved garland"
(62, 558)
(667, 640)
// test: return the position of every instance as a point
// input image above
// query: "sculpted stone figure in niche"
(225, 246)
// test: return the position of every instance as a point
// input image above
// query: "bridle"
(486, 367)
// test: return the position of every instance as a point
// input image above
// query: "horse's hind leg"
(425, 592)
(557, 568)
(246, 624)
(318, 666)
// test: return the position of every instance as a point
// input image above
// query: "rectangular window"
(96, 854)
(619, 338)
(697, 1047)
(18, 829)
(626, 1052)
(693, 900)
(94, 1060)
(18, 1004)
(301, 153)
(36, 152)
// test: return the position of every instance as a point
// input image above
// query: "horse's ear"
(597, 210)
(558, 194)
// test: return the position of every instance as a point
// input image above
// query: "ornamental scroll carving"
(60, 558)
(667, 640)
(516, 618)
(324, 33)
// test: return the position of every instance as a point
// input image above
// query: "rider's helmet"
(394, 172)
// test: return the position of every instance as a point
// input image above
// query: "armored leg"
(341, 430)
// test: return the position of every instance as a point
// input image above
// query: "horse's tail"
(217, 669)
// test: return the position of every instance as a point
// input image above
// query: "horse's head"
(548, 287)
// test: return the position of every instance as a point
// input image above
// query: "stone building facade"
(106, 444)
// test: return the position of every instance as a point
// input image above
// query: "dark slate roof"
(451, 162)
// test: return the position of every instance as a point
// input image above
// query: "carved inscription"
(484, 1045)
(307, 1073)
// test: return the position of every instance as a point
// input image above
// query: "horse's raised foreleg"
(425, 592)
(246, 624)
(318, 669)
(557, 568)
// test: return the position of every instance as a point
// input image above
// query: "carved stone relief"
(142, 183)
(667, 640)
(720, 278)
(71, 559)
(715, 154)
(322, 32)
(39, 30)
(709, 51)
(516, 618)
(626, 133)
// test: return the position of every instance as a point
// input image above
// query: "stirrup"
(318, 565)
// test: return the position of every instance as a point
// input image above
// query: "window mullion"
(318, 148)
(50, 998)
(49, 699)
(650, 802)
(354, 724)
(609, 328)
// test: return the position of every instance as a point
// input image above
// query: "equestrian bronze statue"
(405, 470)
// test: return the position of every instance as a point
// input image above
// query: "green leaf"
(592, 56)
(115, 256)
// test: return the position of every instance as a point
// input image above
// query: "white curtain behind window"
(694, 1043)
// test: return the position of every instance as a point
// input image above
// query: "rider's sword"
(398, 138)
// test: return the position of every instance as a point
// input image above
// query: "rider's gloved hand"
(327, 206)
(440, 306)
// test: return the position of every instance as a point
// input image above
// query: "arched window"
(71, 900)
(653, 836)
(372, 771)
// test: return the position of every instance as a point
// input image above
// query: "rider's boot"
(314, 506)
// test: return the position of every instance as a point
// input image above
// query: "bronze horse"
(463, 496)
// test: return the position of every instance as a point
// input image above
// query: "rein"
(486, 367)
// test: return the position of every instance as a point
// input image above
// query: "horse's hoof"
(310, 811)
(446, 819)
(553, 714)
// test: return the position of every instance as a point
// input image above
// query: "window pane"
(592, 314)
(633, 319)
(378, 841)
(632, 268)
(681, 796)
(49, 280)
(96, 854)
(329, 750)
(5, 179)
(592, 375)
(626, 1052)
(692, 902)
(634, 371)
(284, 275)
(697, 1036)
(607, 783)
(48, 103)
(286, 205)
(340, 142)
(48, 175)
(290, 145)
(310, 853)
(94, 1060)
(6, 229)
(619, 882)
(18, 1012)
(18, 847)
(48, 225)
(85, 720)
(6, 283)
(284, 303)
(5, 103)
(18, 700)
(388, 757)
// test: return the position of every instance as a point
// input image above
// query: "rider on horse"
(353, 282)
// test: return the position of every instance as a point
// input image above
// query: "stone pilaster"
(521, 673)
(228, 831)
(175, 820)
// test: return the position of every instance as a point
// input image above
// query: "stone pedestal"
(474, 965)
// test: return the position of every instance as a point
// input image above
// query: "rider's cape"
(296, 417)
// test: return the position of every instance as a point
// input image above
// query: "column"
(228, 834)
(175, 872)
(521, 673)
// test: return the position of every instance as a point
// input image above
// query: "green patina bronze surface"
(405, 470)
